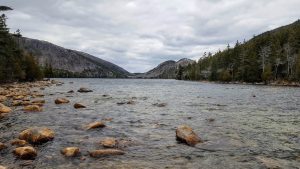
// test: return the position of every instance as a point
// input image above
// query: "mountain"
(69, 63)
(273, 56)
(166, 70)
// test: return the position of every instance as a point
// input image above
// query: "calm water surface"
(245, 127)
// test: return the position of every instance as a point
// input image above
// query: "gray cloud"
(139, 34)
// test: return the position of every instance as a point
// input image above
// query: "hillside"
(271, 56)
(69, 63)
(166, 70)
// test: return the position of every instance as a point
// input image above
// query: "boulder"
(109, 142)
(105, 152)
(61, 101)
(84, 90)
(25, 153)
(95, 125)
(187, 135)
(70, 151)
(33, 108)
(37, 135)
(4, 109)
(19, 143)
(2, 146)
(79, 106)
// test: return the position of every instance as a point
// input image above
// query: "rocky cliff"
(69, 61)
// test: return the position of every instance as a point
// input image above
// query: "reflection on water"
(240, 131)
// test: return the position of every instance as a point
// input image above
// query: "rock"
(210, 120)
(61, 101)
(109, 142)
(84, 90)
(25, 153)
(2, 167)
(130, 102)
(33, 108)
(17, 103)
(160, 104)
(106, 152)
(95, 125)
(71, 91)
(186, 134)
(70, 151)
(3, 98)
(4, 109)
(37, 135)
(2, 146)
(18, 142)
(78, 106)
(38, 102)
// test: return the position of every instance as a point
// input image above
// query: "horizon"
(142, 38)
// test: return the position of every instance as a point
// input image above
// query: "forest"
(15, 64)
(271, 56)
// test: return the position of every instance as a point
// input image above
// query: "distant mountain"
(166, 70)
(70, 63)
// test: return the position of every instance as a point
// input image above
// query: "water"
(245, 128)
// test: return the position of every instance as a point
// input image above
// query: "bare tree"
(264, 54)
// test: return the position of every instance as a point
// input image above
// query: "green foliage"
(273, 55)
(15, 65)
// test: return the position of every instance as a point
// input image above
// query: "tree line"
(271, 56)
(15, 64)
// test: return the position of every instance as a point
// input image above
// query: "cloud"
(139, 34)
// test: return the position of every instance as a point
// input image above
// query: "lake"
(243, 126)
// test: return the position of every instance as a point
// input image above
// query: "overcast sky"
(139, 34)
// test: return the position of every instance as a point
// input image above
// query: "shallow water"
(245, 128)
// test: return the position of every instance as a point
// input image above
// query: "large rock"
(79, 106)
(109, 142)
(105, 152)
(37, 135)
(187, 135)
(4, 109)
(61, 101)
(33, 108)
(84, 90)
(70, 151)
(25, 153)
(95, 125)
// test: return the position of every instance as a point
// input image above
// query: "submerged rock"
(95, 125)
(18, 142)
(4, 109)
(84, 90)
(25, 153)
(2, 146)
(71, 91)
(105, 152)
(187, 135)
(61, 101)
(70, 151)
(79, 106)
(160, 104)
(109, 142)
(38, 102)
(37, 135)
(33, 108)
